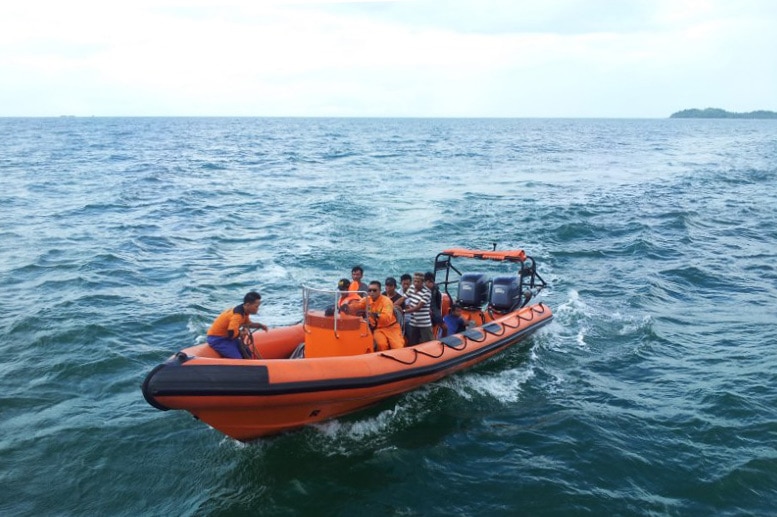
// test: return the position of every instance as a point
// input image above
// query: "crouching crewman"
(384, 325)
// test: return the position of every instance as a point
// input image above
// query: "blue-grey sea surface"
(652, 392)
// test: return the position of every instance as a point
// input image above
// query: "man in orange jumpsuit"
(383, 323)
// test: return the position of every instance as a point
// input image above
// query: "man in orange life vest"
(347, 292)
(224, 334)
(383, 323)
(345, 296)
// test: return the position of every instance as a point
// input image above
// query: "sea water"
(653, 391)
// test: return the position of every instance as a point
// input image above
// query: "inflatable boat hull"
(248, 399)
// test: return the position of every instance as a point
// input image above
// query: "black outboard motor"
(505, 294)
(473, 290)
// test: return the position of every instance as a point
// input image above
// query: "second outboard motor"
(505, 294)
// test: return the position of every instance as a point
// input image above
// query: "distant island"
(719, 113)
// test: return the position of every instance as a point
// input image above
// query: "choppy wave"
(651, 392)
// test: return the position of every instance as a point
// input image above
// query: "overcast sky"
(404, 58)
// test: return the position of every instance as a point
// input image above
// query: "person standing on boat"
(435, 304)
(380, 309)
(391, 289)
(392, 294)
(347, 295)
(417, 302)
(224, 334)
(404, 283)
(357, 273)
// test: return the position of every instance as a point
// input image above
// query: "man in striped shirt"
(417, 304)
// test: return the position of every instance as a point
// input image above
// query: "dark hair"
(406, 276)
(375, 282)
(251, 297)
(391, 281)
(428, 276)
(454, 307)
(344, 284)
(357, 268)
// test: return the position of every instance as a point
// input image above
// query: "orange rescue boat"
(326, 366)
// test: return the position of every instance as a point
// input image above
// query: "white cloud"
(404, 58)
